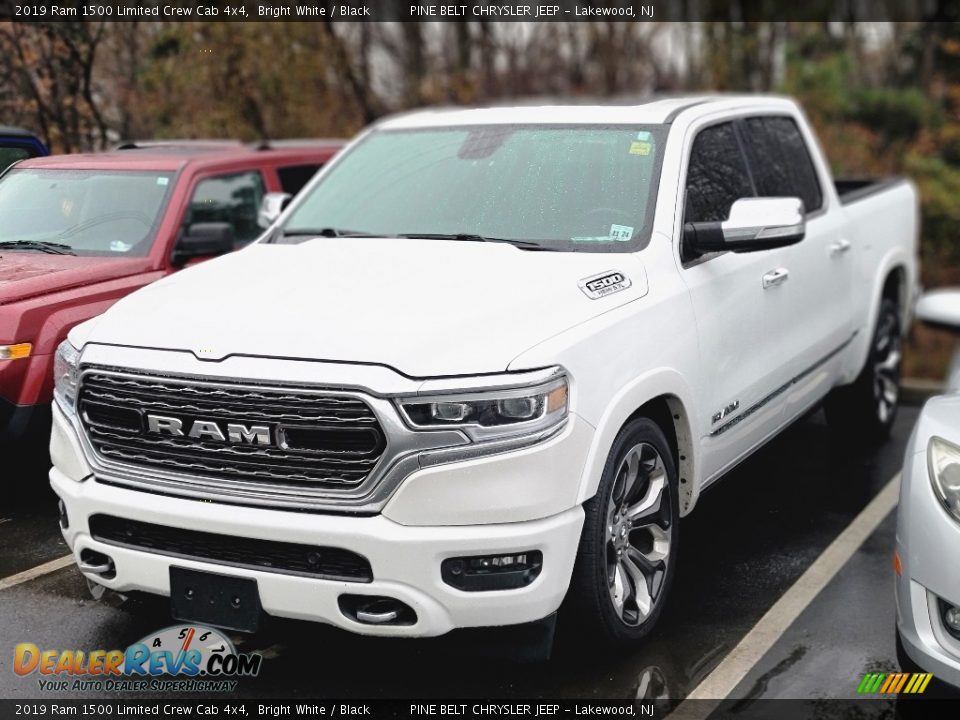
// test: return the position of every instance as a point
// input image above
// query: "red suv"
(78, 232)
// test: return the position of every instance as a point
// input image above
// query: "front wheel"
(627, 554)
(866, 409)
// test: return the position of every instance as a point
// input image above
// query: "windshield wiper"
(472, 237)
(47, 247)
(329, 232)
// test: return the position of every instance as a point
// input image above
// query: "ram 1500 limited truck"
(480, 368)
(78, 232)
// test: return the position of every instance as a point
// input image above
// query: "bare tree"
(50, 67)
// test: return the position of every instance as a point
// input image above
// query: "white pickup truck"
(481, 367)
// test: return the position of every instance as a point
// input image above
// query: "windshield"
(587, 188)
(88, 212)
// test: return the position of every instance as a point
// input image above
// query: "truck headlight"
(495, 413)
(65, 376)
(943, 460)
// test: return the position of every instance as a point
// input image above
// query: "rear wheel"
(866, 409)
(625, 562)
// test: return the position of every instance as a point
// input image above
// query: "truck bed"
(852, 189)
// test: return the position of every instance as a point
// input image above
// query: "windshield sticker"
(640, 148)
(162, 181)
(606, 283)
(621, 233)
(643, 136)
(119, 246)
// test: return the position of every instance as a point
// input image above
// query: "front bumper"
(928, 542)
(405, 560)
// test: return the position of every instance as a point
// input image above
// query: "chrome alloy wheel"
(886, 366)
(638, 534)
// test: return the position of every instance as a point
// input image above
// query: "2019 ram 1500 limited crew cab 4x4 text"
(481, 366)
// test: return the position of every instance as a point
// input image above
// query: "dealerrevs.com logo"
(199, 659)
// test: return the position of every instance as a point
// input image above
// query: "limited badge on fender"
(606, 283)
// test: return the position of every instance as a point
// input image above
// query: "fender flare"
(895, 258)
(659, 383)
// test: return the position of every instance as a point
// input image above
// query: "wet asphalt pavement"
(750, 537)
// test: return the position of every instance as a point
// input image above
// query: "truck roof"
(652, 110)
(11, 131)
(171, 158)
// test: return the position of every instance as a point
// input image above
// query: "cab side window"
(780, 161)
(294, 177)
(717, 175)
(233, 199)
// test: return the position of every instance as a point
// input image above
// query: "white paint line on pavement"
(35, 572)
(720, 683)
(3, 520)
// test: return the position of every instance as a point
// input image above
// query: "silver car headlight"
(943, 461)
(66, 376)
(493, 414)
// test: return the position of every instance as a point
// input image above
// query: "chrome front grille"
(317, 440)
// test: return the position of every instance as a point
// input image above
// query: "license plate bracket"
(222, 601)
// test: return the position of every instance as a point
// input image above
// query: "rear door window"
(294, 177)
(717, 175)
(233, 199)
(780, 161)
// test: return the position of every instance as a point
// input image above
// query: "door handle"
(840, 247)
(775, 277)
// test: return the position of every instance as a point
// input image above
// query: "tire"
(865, 410)
(616, 599)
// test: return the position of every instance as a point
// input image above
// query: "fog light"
(492, 572)
(952, 618)
(950, 614)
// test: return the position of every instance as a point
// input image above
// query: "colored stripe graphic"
(904, 677)
(871, 682)
(891, 682)
(894, 683)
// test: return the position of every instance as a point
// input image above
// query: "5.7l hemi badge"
(606, 283)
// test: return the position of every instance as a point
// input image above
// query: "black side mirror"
(754, 224)
(203, 240)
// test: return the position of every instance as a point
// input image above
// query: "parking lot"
(750, 539)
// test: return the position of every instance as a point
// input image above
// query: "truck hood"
(423, 307)
(28, 274)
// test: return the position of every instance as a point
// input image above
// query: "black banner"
(326, 709)
(472, 10)
(874, 708)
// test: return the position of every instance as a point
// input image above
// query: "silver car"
(927, 555)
